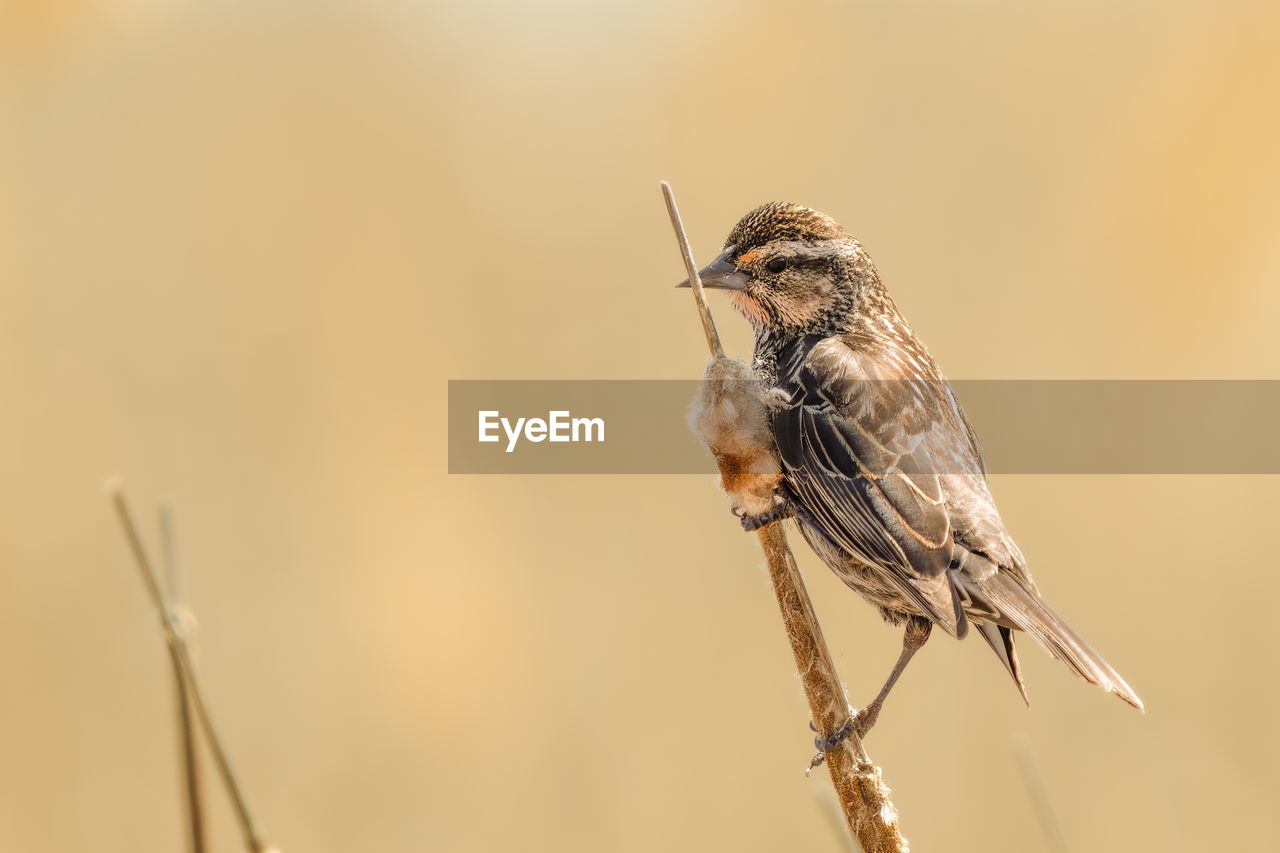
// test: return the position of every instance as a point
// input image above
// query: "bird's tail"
(1000, 639)
(1020, 608)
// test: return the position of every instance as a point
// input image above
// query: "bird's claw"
(859, 723)
(777, 512)
(832, 742)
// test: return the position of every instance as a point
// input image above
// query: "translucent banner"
(1024, 426)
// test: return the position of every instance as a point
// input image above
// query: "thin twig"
(864, 798)
(178, 651)
(190, 757)
(174, 591)
(695, 281)
(1039, 791)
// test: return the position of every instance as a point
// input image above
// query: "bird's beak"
(721, 273)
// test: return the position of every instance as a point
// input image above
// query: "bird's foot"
(866, 718)
(830, 743)
(777, 512)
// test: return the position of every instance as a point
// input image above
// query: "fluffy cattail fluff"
(730, 415)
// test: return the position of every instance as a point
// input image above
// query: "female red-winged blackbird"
(879, 465)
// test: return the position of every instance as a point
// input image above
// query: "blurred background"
(244, 245)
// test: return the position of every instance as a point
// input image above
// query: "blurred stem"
(182, 662)
(189, 757)
(1039, 791)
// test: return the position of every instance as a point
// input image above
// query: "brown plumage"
(878, 462)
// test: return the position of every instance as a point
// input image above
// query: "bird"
(879, 466)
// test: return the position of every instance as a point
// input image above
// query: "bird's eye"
(776, 265)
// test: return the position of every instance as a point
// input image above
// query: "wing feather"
(859, 461)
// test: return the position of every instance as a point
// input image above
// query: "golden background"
(243, 245)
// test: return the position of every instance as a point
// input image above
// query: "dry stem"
(695, 281)
(1039, 792)
(182, 662)
(190, 757)
(859, 784)
(864, 798)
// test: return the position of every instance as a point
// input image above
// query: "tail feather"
(1000, 639)
(1024, 610)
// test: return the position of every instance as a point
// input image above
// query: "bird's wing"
(870, 436)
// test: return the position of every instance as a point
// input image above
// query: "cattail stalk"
(859, 785)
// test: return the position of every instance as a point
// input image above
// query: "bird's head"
(791, 269)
